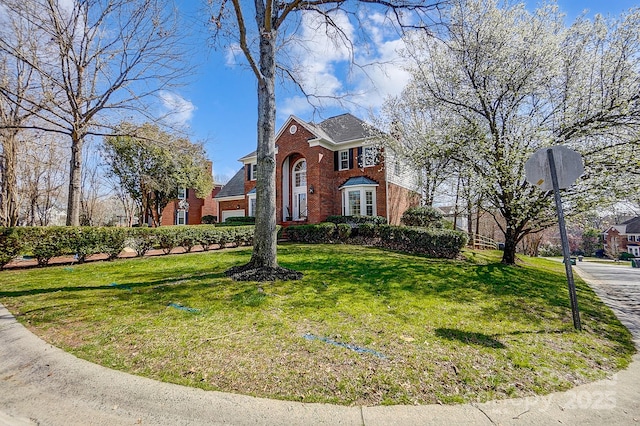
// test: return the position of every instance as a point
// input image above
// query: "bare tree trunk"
(9, 185)
(75, 180)
(265, 239)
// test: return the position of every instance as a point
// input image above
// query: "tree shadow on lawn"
(111, 286)
(456, 281)
(469, 338)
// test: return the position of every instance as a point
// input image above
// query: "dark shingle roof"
(345, 127)
(633, 225)
(234, 187)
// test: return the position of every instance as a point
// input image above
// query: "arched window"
(300, 173)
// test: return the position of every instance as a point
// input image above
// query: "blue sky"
(219, 102)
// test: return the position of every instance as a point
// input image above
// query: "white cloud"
(325, 66)
(177, 109)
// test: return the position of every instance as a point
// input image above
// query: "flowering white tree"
(523, 80)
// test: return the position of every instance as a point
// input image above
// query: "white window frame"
(362, 190)
(181, 217)
(346, 160)
(254, 171)
(251, 201)
(182, 193)
(369, 159)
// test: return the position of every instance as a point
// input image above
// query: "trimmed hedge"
(358, 220)
(240, 220)
(427, 217)
(10, 245)
(438, 243)
(324, 232)
(45, 243)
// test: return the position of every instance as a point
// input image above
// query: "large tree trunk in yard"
(75, 181)
(265, 240)
(263, 265)
(511, 240)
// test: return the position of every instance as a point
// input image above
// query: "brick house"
(624, 237)
(188, 209)
(324, 169)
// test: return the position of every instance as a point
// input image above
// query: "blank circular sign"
(569, 167)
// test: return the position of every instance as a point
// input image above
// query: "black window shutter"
(248, 166)
(336, 161)
(351, 158)
(360, 162)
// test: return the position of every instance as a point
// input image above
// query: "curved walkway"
(43, 385)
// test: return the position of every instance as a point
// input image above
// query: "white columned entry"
(286, 206)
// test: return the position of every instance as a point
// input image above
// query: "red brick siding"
(198, 207)
(400, 199)
(327, 198)
(233, 205)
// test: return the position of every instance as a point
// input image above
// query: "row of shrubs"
(45, 243)
(433, 242)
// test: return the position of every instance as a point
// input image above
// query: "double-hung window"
(344, 159)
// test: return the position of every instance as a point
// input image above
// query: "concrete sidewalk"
(40, 384)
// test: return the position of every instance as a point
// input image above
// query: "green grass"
(381, 327)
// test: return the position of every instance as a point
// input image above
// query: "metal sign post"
(565, 242)
(557, 168)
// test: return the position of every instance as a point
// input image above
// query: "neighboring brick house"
(330, 168)
(188, 209)
(624, 237)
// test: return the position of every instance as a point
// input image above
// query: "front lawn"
(364, 326)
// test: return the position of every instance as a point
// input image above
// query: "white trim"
(251, 197)
(355, 143)
(340, 168)
(362, 189)
(286, 178)
(297, 191)
(373, 159)
(184, 214)
(230, 198)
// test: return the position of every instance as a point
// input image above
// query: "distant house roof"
(357, 181)
(632, 226)
(233, 188)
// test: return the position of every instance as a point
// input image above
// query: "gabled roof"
(334, 131)
(233, 188)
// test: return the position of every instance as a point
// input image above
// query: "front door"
(299, 180)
